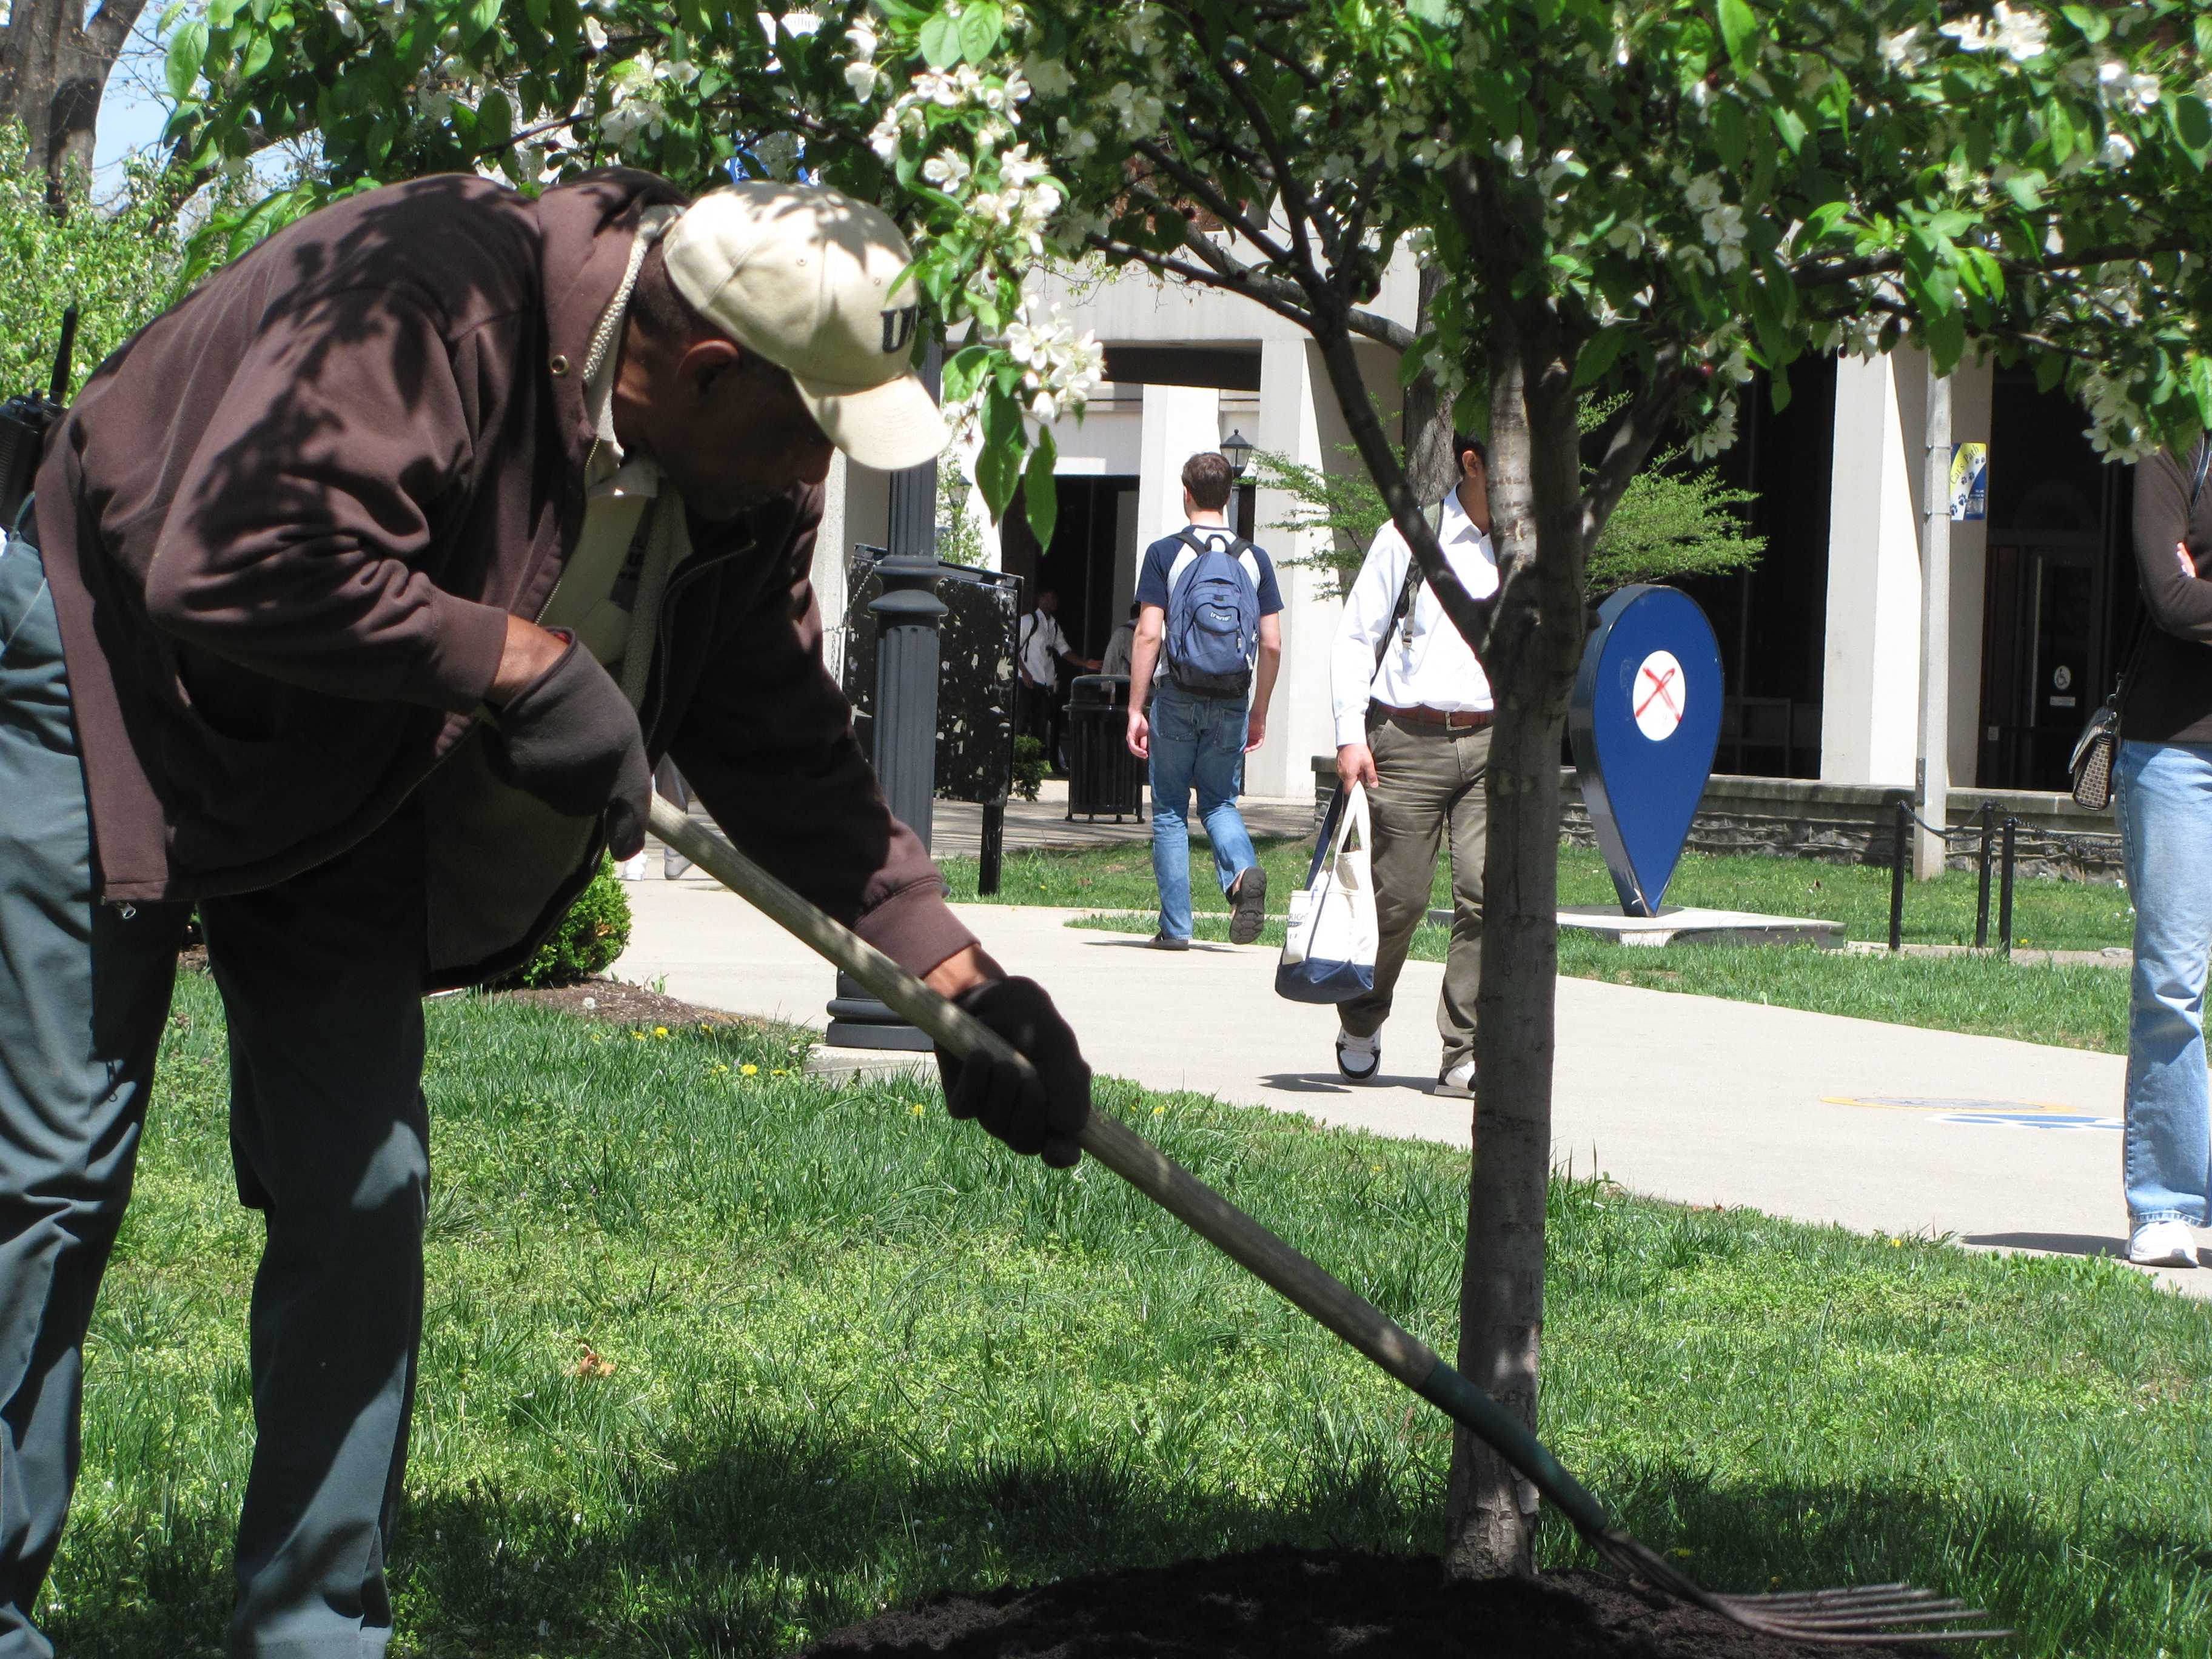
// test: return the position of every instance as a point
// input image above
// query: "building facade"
(1820, 643)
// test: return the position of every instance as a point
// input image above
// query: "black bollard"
(1981, 898)
(992, 853)
(2004, 887)
(1898, 853)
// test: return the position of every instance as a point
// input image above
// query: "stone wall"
(1855, 824)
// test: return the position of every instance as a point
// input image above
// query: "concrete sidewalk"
(1879, 1127)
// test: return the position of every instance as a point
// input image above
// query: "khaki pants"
(1425, 779)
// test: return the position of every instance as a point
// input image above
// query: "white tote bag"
(1329, 953)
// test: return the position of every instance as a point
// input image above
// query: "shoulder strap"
(1415, 577)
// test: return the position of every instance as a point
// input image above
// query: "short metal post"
(1900, 853)
(1982, 896)
(2004, 887)
(992, 855)
(907, 613)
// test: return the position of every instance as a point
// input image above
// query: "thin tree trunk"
(1428, 418)
(1535, 643)
(54, 67)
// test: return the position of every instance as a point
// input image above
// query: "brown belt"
(1441, 719)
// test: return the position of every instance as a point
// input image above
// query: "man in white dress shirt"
(1412, 724)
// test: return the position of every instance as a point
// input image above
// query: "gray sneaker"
(1248, 903)
(1169, 942)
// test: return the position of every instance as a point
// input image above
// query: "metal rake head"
(1860, 1617)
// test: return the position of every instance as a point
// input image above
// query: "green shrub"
(1028, 767)
(590, 937)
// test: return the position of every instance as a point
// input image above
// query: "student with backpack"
(1209, 640)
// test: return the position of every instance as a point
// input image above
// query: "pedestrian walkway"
(1881, 1128)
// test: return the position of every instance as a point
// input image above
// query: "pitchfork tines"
(1861, 1616)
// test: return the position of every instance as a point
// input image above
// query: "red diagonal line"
(1659, 684)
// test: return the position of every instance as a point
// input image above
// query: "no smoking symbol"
(1659, 696)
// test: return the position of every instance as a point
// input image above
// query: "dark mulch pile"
(625, 1004)
(1305, 1604)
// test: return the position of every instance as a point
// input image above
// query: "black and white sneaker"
(1248, 906)
(1358, 1059)
(1457, 1082)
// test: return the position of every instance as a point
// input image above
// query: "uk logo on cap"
(899, 326)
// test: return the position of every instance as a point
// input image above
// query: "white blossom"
(1048, 76)
(949, 172)
(862, 76)
(862, 39)
(1718, 434)
(1905, 49)
(2019, 34)
(800, 24)
(2117, 151)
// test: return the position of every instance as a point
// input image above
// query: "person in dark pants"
(359, 596)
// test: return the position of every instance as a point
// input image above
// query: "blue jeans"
(1196, 741)
(2166, 811)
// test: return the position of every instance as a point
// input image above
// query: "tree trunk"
(1428, 418)
(1535, 643)
(53, 71)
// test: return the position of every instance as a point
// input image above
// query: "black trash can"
(1103, 775)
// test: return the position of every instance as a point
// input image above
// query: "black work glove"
(570, 738)
(1042, 1115)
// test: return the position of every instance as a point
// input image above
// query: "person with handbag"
(1413, 724)
(2164, 771)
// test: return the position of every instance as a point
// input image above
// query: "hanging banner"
(1970, 482)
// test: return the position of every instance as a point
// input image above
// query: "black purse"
(2098, 745)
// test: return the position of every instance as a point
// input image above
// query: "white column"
(1298, 418)
(831, 554)
(1970, 391)
(1932, 759)
(1180, 422)
(1871, 681)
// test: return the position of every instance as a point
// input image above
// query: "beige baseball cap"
(810, 279)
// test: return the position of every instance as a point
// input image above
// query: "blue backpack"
(1213, 619)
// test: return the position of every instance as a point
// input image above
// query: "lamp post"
(1236, 449)
(907, 613)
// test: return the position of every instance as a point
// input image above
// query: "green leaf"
(219, 12)
(1598, 355)
(1039, 493)
(1435, 13)
(2026, 190)
(2192, 124)
(1945, 331)
(940, 41)
(962, 370)
(2093, 23)
(483, 16)
(2200, 389)
(1731, 132)
(495, 120)
(1789, 126)
(1739, 33)
(187, 51)
(997, 470)
(980, 26)
(259, 51)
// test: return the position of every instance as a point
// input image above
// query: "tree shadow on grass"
(750, 1540)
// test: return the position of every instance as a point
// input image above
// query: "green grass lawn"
(2049, 914)
(719, 1357)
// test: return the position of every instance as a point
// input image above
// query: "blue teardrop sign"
(1644, 722)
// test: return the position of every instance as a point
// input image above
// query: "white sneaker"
(1358, 1059)
(1458, 1082)
(2163, 1244)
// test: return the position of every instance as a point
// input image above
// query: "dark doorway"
(1771, 620)
(2059, 592)
(1079, 564)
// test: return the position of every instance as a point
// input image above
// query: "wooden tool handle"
(1318, 1294)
